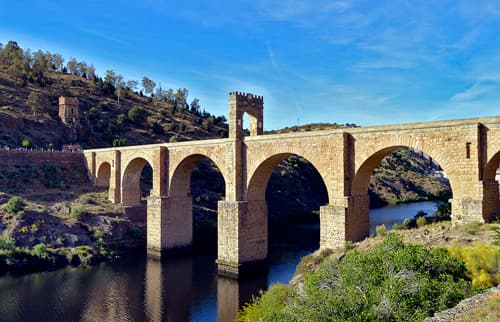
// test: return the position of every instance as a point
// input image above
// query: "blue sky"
(364, 62)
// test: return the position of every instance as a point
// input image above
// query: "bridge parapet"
(468, 150)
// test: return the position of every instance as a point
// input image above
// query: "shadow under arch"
(104, 175)
(359, 205)
(131, 188)
(180, 182)
(260, 178)
(491, 201)
(258, 210)
(181, 199)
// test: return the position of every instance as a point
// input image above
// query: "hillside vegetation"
(113, 111)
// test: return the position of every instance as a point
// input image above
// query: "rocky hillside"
(116, 112)
(112, 111)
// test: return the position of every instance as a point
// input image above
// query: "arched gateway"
(468, 150)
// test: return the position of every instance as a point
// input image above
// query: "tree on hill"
(41, 64)
(110, 77)
(34, 100)
(26, 143)
(14, 58)
(18, 71)
(181, 97)
(148, 85)
(58, 62)
(120, 86)
(195, 106)
(137, 114)
(72, 65)
(10, 52)
(132, 85)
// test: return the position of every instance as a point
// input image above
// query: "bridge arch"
(491, 202)
(180, 179)
(492, 166)
(257, 214)
(367, 166)
(104, 174)
(359, 205)
(259, 179)
(131, 190)
(180, 201)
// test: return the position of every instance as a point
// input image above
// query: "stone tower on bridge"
(467, 150)
(241, 103)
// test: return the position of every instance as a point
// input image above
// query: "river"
(181, 288)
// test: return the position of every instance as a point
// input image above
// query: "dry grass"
(488, 311)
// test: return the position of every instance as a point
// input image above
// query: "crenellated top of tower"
(246, 97)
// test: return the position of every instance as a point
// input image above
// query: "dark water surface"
(182, 288)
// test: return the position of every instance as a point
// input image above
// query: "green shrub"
(444, 209)
(85, 254)
(87, 199)
(267, 304)
(98, 234)
(26, 143)
(349, 245)
(404, 225)
(156, 128)
(381, 230)
(78, 212)
(421, 221)
(40, 250)
(392, 282)
(15, 204)
(137, 114)
(7, 243)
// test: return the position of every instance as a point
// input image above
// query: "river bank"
(476, 246)
(42, 234)
(190, 289)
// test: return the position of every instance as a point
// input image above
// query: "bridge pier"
(345, 219)
(169, 224)
(466, 210)
(491, 203)
(242, 237)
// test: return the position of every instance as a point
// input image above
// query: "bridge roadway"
(468, 150)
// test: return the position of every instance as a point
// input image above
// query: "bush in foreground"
(392, 282)
(482, 261)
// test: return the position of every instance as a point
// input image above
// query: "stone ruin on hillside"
(69, 110)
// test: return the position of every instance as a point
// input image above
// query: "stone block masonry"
(15, 157)
(345, 158)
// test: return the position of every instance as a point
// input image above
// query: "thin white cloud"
(272, 58)
(104, 36)
(476, 91)
(300, 11)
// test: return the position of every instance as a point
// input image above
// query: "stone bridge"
(468, 151)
